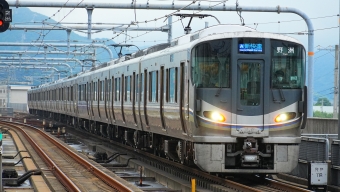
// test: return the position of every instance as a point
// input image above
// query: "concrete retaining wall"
(321, 126)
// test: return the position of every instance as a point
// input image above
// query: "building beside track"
(14, 96)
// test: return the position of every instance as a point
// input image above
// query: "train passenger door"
(184, 104)
(249, 99)
(133, 90)
(161, 96)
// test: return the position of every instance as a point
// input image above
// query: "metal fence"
(19, 107)
(311, 149)
(330, 137)
(335, 163)
(6, 112)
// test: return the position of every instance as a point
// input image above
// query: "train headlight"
(213, 115)
(285, 117)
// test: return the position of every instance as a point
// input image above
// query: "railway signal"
(5, 15)
(0, 142)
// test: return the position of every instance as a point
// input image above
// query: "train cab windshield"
(211, 64)
(288, 61)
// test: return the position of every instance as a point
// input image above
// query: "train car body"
(226, 98)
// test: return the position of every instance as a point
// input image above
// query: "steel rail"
(225, 182)
(100, 174)
(70, 186)
(285, 187)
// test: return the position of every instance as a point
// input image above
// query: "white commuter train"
(227, 98)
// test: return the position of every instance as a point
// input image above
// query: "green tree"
(322, 114)
(323, 101)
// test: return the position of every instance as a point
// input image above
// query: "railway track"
(203, 180)
(73, 171)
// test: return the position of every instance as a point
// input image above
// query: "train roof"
(227, 31)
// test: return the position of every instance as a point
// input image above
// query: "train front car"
(249, 98)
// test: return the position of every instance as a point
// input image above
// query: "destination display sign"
(285, 51)
(251, 46)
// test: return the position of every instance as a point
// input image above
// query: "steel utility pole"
(336, 85)
(339, 78)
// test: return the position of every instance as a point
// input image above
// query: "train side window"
(113, 88)
(67, 94)
(99, 90)
(210, 64)
(172, 85)
(109, 87)
(90, 91)
(156, 87)
(84, 92)
(117, 89)
(150, 91)
(153, 82)
(166, 86)
(71, 93)
(95, 90)
(105, 89)
(79, 94)
(142, 88)
(137, 88)
(133, 85)
(127, 88)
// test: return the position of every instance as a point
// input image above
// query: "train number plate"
(250, 130)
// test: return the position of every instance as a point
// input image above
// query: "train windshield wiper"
(221, 71)
(282, 95)
(218, 91)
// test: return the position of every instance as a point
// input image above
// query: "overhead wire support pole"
(89, 15)
(34, 64)
(170, 29)
(42, 52)
(44, 59)
(164, 28)
(192, 7)
(59, 45)
(339, 78)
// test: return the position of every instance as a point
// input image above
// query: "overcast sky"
(323, 14)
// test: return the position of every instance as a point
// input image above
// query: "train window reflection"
(127, 88)
(142, 88)
(137, 89)
(288, 61)
(210, 62)
(95, 91)
(172, 85)
(101, 90)
(250, 83)
(79, 92)
(153, 86)
(117, 89)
